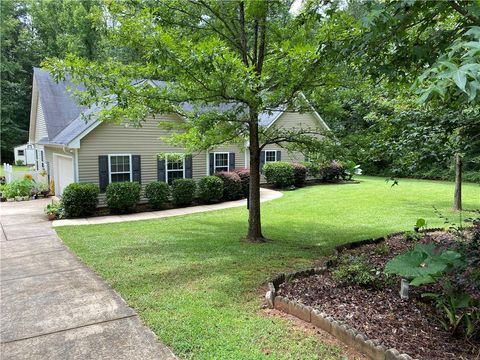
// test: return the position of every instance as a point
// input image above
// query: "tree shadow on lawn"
(218, 258)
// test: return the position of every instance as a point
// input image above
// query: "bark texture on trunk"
(254, 221)
(457, 197)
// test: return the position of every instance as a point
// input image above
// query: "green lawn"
(15, 169)
(197, 285)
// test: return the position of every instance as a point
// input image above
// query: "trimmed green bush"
(157, 193)
(313, 169)
(122, 197)
(232, 185)
(79, 200)
(183, 191)
(210, 188)
(331, 171)
(299, 174)
(280, 174)
(245, 179)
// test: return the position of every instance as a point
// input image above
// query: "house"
(24, 154)
(74, 150)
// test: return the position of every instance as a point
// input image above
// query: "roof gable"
(58, 105)
(66, 122)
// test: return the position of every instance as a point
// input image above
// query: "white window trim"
(167, 171)
(215, 160)
(267, 151)
(122, 172)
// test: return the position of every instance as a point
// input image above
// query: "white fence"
(11, 175)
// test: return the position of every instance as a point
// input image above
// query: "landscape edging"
(342, 331)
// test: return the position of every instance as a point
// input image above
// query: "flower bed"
(354, 304)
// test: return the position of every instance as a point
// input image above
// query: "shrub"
(18, 188)
(244, 175)
(210, 188)
(183, 191)
(80, 199)
(299, 174)
(356, 271)
(123, 196)
(157, 193)
(313, 169)
(280, 174)
(232, 185)
(19, 163)
(331, 171)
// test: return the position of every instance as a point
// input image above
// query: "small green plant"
(183, 191)
(382, 249)
(54, 210)
(280, 174)
(421, 224)
(351, 169)
(460, 313)
(157, 193)
(356, 270)
(122, 197)
(19, 163)
(210, 189)
(422, 264)
(413, 236)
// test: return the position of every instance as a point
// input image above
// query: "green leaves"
(422, 264)
(456, 75)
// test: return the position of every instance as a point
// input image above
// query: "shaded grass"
(196, 284)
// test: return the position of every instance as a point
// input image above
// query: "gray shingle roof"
(58, 104)
(63, 116)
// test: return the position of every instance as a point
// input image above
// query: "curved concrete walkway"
(265, 195)
(54, 307)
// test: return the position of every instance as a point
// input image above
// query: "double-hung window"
(20, 152)
(120, 168)
(175, 169)
(221, 162)
(270, 156)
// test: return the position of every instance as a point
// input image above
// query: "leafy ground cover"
(196, 284)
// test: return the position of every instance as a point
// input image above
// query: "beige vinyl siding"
(145, 141)
(239, 154)
(40, 125)
(294, 120)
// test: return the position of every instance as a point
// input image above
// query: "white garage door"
(63, 173)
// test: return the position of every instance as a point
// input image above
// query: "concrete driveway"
(53, 306)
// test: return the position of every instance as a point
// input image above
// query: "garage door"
(63, 173)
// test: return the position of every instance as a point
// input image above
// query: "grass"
(197, 285)
(15, 169)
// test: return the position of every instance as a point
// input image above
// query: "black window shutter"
(279, 155)
(136, 168)
(211, 164)
(103, 172)
(262, 159)
(161, 170)
(231, 161)
(188, 167)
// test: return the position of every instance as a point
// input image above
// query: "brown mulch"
(410, 326)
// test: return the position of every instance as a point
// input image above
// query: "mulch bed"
(410, 326)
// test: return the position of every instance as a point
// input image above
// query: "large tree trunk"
(254, 221)
(457, 197)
